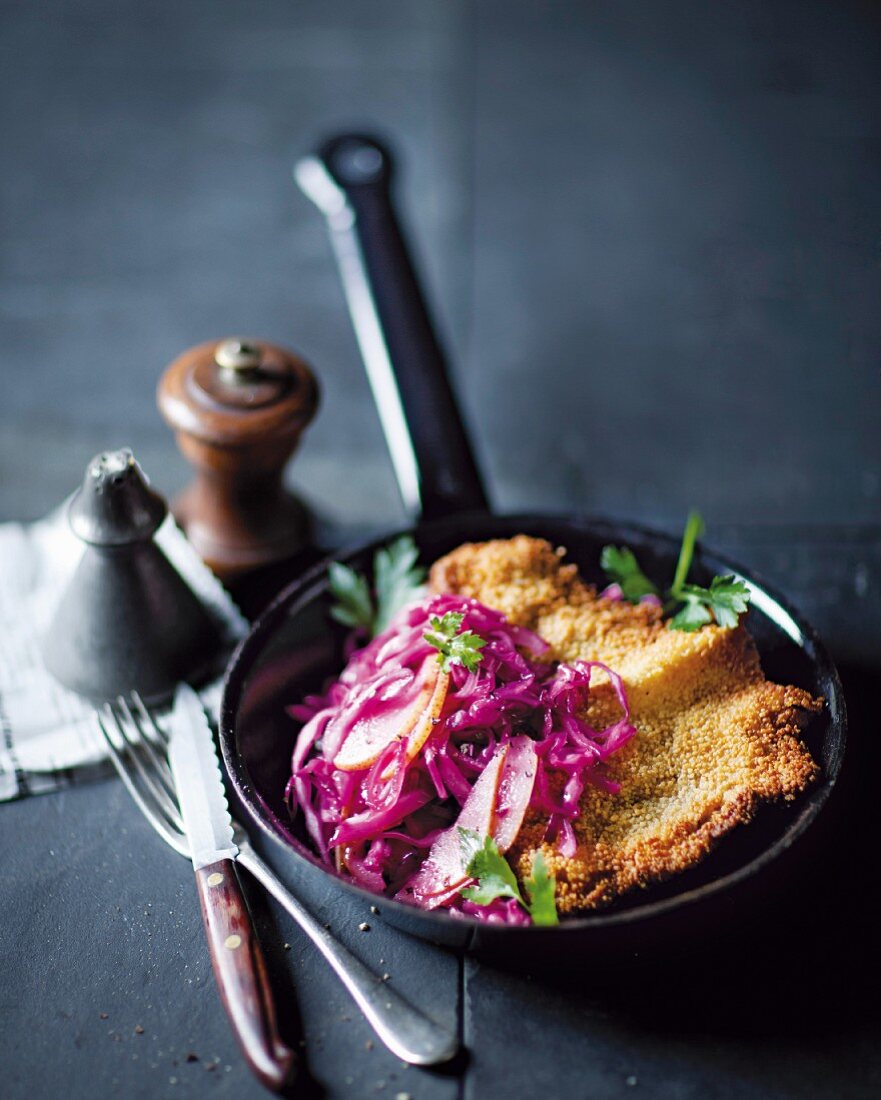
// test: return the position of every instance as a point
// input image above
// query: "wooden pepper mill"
(238, 408)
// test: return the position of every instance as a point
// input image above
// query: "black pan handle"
(349, 179)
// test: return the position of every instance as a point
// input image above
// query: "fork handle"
(240, 970)
(406, 1031)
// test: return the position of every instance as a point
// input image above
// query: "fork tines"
(138, 748)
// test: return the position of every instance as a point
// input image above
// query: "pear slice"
(414, 721)
(496, 807)
(515, 790)
(442, 874)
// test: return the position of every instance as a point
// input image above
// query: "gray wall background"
(650, 230)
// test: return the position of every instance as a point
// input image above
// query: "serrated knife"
(405, 1030)
(239, 966)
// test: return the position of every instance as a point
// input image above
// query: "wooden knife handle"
(240, 970)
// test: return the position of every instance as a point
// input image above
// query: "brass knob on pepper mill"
(238, 408)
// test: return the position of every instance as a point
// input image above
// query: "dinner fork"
(139, 752)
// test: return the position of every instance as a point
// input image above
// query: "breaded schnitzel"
(715, 738)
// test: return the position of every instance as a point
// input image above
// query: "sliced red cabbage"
(507, 738)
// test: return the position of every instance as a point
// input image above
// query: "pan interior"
(296, 647)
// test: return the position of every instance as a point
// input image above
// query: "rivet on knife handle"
(241, 976)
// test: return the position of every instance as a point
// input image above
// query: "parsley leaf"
(724, 601)
(620, 563)
(454, 646)
(354, 606)
(726, 597)
(398, 580)
(495, 879)
(469, 845)
(691, 617)
(541, 885)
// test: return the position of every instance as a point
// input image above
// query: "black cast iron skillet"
(294, 647)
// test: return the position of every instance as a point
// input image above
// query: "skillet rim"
(300, 590)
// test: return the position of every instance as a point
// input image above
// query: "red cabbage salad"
(416, 768)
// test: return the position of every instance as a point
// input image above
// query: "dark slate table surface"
(651, 231)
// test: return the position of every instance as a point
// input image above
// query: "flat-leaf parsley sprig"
(495, 879)
(690, 605)
(620, 565)
(398, 580)
(454, 646)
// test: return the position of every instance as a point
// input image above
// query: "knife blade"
(239, 966)
(200, 790)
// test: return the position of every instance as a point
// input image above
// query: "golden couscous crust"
(714, 738)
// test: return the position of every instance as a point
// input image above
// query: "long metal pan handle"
(349, 179)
